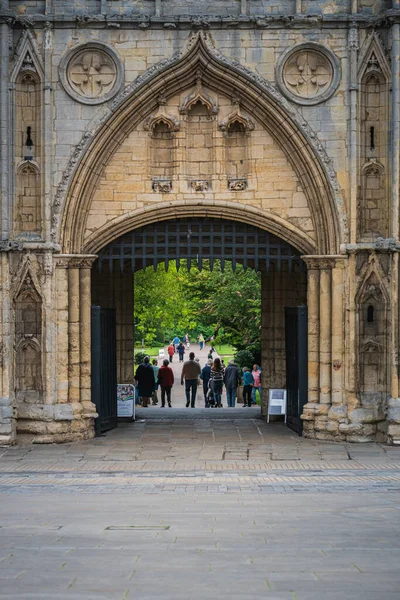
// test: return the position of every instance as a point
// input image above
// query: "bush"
(139, 357)
(244, 358)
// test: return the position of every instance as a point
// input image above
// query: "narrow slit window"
(370, 314)
(372, 138)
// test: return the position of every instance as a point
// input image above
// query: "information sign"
(276, 403)
(126, 400)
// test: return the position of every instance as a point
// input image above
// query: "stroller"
(210, 400)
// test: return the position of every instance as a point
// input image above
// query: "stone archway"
(288, 130)
(290, 190)
(204, 241)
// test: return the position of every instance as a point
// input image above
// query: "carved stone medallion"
(308, 73)
(91, 73)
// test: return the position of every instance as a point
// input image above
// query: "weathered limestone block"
(332, 427)
(5, 428)
(309, 411)
(6, 412)
(320, 423)
(394, 432)
(337, 413)
(63, 412)
(356, 429)
(365, 415)
(394, 410)
(33, 427)
(35, 412)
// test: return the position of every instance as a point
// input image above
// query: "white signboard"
(276, 403)
(126, 400)
(161, 354)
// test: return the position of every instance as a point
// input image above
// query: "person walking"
(248, 382)
(146, 381)
(232, 381)
(181, 351)
(217, 381)
(171, 351)
(187, 341)
(205, 377)
(166, 381)
(190, 373)
(154, 396)
(201, 340)
(212, 343)
(176, 342)
(256, 372)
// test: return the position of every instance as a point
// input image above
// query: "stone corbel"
(199, 186)
(237, 185)
(162, 186)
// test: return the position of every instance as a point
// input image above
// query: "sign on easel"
(126, 400)
(161, 354)
(276, 403)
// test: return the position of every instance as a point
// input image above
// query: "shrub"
(139, 357)
(244, 358)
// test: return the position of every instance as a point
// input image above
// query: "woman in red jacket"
(166, 381)
(171, 351)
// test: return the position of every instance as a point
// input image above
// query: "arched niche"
(28, 339)
(28, 144)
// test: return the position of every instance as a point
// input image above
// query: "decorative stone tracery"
(308, 73)
(91, 73)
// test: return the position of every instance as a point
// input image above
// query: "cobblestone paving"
(200, 508)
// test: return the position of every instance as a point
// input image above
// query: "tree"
(215, 302)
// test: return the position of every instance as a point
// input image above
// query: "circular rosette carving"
(308, 73)
(92, 73)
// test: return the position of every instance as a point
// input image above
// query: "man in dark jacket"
(166, 381)
(231, 380)
(146, 381)
(205, 377)
(190, 373)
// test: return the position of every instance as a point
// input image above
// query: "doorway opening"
(218, 249)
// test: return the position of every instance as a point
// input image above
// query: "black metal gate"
(296, 365)
(104, 367)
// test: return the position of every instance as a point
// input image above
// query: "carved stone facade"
(118, 114)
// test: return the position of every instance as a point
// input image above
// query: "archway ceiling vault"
(218, 75)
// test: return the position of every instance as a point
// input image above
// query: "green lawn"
(152, 352)
(225, 350)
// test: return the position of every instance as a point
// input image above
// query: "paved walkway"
(219, 505)
(178, 391)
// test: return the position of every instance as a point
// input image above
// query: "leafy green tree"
(217, 302)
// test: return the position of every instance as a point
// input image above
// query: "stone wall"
(282, 114)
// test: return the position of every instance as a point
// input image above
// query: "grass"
(152, 351)
(225, 350)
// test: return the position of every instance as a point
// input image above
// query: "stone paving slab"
(162, 510)
(200, 546)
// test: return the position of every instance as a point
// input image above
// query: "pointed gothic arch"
(259, 99)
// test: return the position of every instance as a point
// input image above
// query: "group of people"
(214, 375)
